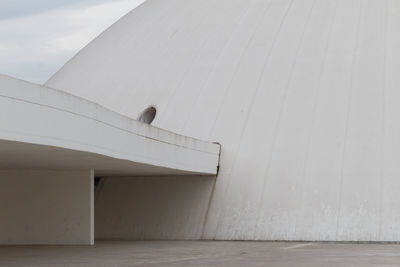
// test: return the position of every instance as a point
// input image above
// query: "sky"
(37, 37)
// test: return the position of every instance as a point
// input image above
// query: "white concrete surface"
(45, 128)
(46, 207)
(303, 95)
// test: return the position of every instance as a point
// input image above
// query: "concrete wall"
(303, 96)
(152, 207)
(46, 207)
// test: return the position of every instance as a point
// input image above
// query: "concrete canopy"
(49, 129)
(52, 144)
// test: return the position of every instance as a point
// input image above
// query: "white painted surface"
(303, 95)
(46, 207)
(44, 128)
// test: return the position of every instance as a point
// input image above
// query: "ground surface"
(202, 253)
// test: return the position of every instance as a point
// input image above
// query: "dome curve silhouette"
(301, 94)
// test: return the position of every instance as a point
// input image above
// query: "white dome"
(303, 96)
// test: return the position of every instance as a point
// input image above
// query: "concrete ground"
(203, 253)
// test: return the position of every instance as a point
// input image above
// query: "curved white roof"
(43, 128)
(303, 95)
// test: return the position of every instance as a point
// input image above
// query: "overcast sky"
(38, 36)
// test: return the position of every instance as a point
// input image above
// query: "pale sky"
(38, 36)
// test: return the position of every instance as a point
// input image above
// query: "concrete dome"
(303, 96)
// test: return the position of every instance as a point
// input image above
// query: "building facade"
(302, 95)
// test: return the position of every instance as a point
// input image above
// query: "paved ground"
(202, 253)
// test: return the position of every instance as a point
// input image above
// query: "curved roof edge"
(95, 38)
(66, 131)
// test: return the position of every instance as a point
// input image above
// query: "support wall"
(46, 207)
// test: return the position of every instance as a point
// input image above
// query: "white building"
(302, 95)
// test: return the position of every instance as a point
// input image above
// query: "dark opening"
(148, 115)
(96, 182)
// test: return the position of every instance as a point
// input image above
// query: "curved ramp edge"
(47, 128)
